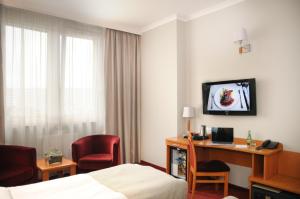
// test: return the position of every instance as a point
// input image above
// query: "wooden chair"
(216, 171)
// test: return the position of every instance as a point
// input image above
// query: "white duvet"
(76, 187)
(141, 182)
(127, 181)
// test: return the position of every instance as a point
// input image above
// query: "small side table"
(46, 168)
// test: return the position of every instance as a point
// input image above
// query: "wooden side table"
(46, 168)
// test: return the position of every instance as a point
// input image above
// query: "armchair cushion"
(93, 161)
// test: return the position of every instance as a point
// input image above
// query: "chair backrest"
(12, 155)
(104, 143)
(192, 153)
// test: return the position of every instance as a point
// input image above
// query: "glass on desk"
(253, 143)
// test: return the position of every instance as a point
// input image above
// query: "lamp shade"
(241, 35)
(188, 112)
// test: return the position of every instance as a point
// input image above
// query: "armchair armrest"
(115, 150)
(111, 144)
(81, 148)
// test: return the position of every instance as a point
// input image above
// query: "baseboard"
(238, 187)
(152, 165)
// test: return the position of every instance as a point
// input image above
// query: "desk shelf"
(282, 182)
(258, 165)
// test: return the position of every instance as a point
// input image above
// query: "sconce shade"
(188, 112)
(241, 35)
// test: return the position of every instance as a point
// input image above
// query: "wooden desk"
(45, 168)
(264, 163)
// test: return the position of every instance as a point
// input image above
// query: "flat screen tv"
(233, 97)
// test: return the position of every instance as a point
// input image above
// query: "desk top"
(236, 146)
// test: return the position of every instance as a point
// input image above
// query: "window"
(79, 79)
(53, 76)
(33, 81)
(25, 74)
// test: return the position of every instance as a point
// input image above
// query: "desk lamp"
(188, 112)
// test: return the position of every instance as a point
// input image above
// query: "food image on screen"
(226, 98)
(229, 97)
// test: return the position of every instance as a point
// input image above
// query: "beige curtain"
(2, 138)
(122, 89)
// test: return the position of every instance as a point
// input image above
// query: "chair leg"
(193, 186)
(226, 185)
(190, 181)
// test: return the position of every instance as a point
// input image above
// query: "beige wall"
(158, 92)
(273, 28)
(206, 51)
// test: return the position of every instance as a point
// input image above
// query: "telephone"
(267, 144)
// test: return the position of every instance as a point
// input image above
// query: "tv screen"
(234, 97)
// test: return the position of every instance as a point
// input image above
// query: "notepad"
(241, 146)
(220, 144)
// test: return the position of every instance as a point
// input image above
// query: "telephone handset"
(267, 144)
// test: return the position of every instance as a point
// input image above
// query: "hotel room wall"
(209, 54)
(273, 28)
(159, 91)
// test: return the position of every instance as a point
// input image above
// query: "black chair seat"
(212, 166)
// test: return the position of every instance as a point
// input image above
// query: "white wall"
(273, 28)
(159, 92)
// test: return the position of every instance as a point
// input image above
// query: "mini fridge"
(178, 161)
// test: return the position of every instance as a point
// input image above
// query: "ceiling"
(128, 15)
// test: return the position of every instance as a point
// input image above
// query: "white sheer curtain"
(53, 80)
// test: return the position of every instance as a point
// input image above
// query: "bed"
(127, 181)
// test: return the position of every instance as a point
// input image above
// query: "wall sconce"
(241, 38)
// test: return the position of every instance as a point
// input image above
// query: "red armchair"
(96, 152)
(17, 165)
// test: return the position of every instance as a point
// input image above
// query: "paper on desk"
(241, 146)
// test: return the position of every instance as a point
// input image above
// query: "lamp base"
(200, 137)
(197, 137)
